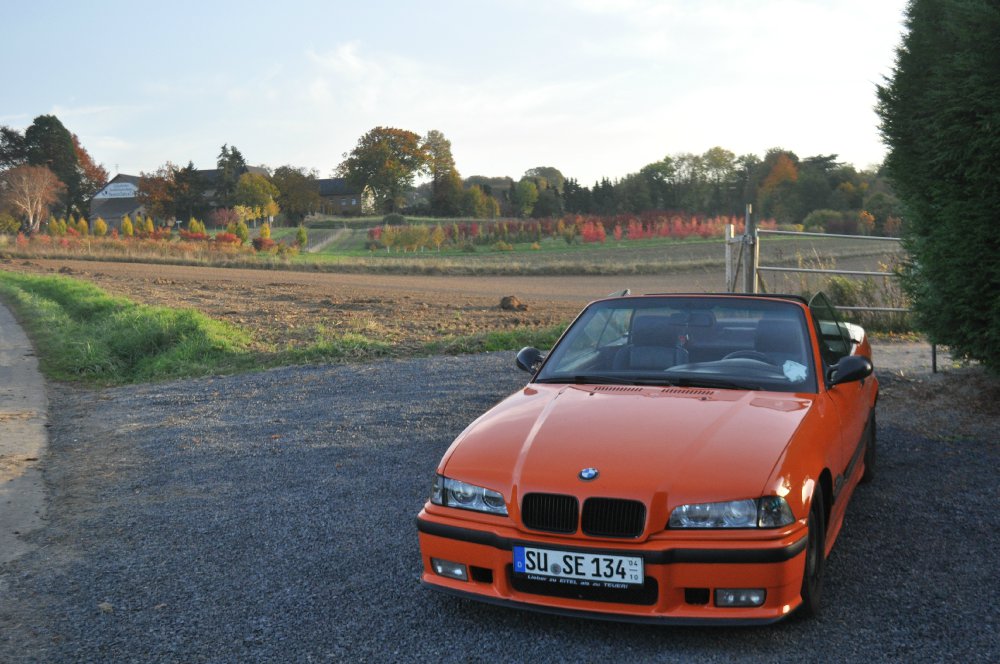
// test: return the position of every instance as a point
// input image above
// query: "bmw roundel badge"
(588, 474)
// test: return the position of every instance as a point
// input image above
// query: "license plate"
(578, 568)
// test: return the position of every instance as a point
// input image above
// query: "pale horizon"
(595, 88)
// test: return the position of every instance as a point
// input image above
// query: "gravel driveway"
(270, 517)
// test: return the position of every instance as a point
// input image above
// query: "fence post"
(750, 247)
(730, 234)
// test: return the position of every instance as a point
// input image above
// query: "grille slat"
(602, 517)
(613, 517)
(550, 512)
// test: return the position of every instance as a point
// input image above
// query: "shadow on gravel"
(270, 517)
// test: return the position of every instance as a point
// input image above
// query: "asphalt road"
(270, 517)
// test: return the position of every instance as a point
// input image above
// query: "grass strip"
(83, 334)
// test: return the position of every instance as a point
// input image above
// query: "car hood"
(663, 445)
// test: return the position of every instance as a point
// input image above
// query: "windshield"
(719, 342)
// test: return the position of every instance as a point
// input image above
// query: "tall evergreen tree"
(940, 114)
(48, 143)
(231, 165)
(446, 183)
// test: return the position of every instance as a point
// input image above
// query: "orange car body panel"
(664, 447)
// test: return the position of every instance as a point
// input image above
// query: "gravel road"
(270, 517)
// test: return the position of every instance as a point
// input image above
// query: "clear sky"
(593, 87)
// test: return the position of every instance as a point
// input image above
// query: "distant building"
(339, 198)
(118, 198)
(210, 177)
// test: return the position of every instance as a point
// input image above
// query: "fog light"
(450, 569)
(740, 596)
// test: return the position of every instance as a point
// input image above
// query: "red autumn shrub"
(227, 238)
(263, 243)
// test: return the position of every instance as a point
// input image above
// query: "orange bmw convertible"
(675, 459)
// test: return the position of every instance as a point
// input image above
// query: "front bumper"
(682, 572)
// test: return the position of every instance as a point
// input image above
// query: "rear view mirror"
(529, 359)
(850, 368)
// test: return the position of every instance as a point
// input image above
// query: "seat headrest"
(779, 335)
(655, 331)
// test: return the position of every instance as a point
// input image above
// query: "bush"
(127, 229)
(265, 231)
(393, 219)
(301, 238)
(821, 221)
(9, 225)
(100, 227)
(239, 229)
(263, 243)
(228, 238)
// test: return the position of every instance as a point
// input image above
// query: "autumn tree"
(32, 191)
(154, 191)
(478, 204)
(298, 194)
(777, 195)
(386, 160)
(93, 176)
(940, 118)
(446, 183)
(256, 191)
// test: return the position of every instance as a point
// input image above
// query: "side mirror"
(529, 359)
(849, 369)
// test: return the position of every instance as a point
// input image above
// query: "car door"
(847, 399)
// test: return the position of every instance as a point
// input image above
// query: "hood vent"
(615, 388)
(685, 392)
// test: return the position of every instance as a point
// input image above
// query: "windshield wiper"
(598, 379)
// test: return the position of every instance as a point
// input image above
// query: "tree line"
(817, 192)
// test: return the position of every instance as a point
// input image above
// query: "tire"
(870, 451)
(812, 573)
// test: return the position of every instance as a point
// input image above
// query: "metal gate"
(743, 264)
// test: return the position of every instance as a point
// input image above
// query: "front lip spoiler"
(605, 617)
(722, 556)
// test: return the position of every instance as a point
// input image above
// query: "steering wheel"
(749, 355)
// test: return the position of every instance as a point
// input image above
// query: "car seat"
(655, 344)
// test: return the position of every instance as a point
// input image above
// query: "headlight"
(766, 512)
(453, 493)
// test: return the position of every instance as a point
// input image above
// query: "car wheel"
(812, 575)
(869, 473)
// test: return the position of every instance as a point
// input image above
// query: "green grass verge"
(83, 334)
